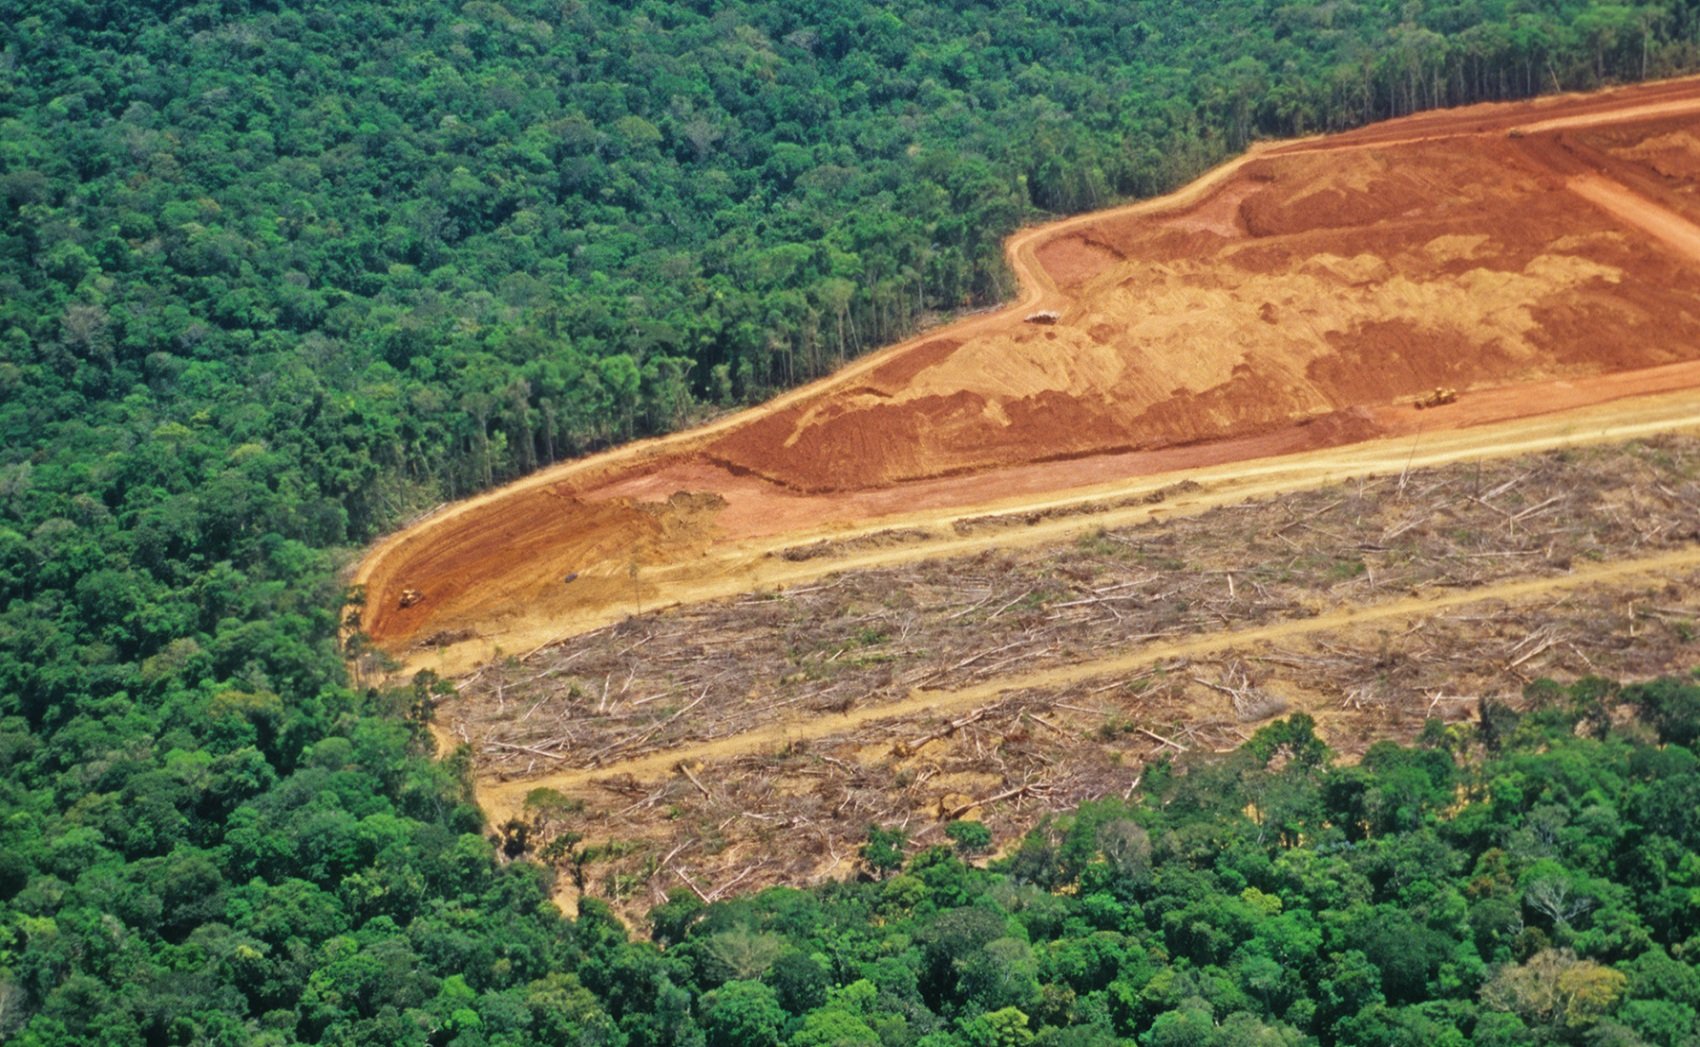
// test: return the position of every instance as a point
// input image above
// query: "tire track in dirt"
(501, 800)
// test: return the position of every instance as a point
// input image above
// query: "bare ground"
(1291, 300)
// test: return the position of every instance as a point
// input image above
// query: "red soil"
(1298, 298)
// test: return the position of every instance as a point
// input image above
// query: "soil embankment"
(1295, 299)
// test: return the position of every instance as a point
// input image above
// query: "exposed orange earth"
(1537, 257)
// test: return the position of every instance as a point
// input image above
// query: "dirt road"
(1578, 329)
(1665, 226)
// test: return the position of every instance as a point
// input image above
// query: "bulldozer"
(1441, 396)
(409, 597)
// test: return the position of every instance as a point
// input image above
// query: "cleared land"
(752, 740)
(864, 639)
(1296, 299)
(996, 570)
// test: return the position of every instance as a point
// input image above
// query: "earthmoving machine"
(409, 597)
(1439, 397)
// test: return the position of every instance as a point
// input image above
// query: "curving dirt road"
(491, 567)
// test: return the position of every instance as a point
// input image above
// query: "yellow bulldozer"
(1441, 396)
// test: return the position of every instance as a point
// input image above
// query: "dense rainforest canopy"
(273, 276)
